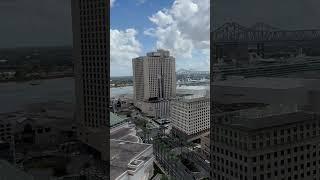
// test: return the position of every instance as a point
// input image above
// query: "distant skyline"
(141, 26)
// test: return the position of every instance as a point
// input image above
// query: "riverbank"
(16, 96)
(38, 78)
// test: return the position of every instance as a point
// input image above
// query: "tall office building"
(154, 80)
(90, 20)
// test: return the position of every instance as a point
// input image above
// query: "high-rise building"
(154, 81)
(278, 146)
(190, 118)
(90, 19)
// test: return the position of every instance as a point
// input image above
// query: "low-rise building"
(42, 124)
(130, 160)
(155, 108)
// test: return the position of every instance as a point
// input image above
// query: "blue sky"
(134, 14)
(140, 26)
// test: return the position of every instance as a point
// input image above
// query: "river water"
(16, 96)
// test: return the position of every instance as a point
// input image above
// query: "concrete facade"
(90, 19)
(281, 146)
(205, 146)
(154, 82)
(191, 116)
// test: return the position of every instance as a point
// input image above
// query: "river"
(16, 96)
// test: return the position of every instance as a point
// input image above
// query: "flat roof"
(130, 138)
(115, 119)
(221, 107)
(122, 132)
(122, 153)
(191, 99)
(272, 120)
(268, 82)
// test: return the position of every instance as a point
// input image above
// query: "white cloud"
(123, 47)
(161, 18)
(184, 28)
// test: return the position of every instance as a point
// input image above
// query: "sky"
(284, 14)
(141, 26)
(35, 23)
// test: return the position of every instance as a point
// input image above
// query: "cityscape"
(178, 90)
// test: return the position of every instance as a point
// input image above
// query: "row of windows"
(94, 52)
(289, 160)
(296, 167)
(295, 176)
(282, 173)
(232, 155)
(45, 130)
(5, 125)
(265, 143)
(92, 4)
(5, 138)
(311, 127)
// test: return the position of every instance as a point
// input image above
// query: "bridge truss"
(233, 33)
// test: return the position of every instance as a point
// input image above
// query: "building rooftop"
(220, 107)
(9, 172)
(193, 98)
(268, 82)
(158, 53)
(121, 133)
(115, 119)
(272, 120)
(54, 114)
(122, 153)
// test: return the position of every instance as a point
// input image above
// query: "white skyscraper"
(154, 81)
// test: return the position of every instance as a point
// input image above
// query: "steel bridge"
(233, 33)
